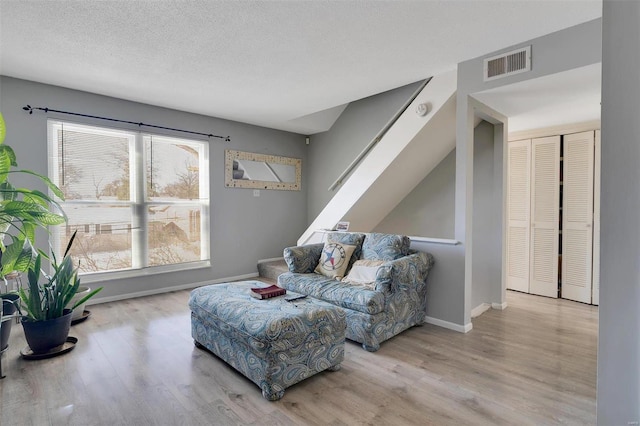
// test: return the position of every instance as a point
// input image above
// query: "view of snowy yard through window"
(136, 200)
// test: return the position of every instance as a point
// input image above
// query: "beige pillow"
(334, 260)
(363, 272)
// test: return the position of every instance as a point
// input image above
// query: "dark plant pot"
(43, 336)
(8, 308)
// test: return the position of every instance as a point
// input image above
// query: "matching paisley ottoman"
(273, 342)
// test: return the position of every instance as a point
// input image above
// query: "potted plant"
(22, 211)
(47, 318)
(78, 309)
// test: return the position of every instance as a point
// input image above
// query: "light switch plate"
(256, 192)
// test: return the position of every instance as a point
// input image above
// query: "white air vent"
(508, 63)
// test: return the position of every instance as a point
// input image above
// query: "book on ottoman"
(267, 292)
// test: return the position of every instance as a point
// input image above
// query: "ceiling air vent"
(508, 63)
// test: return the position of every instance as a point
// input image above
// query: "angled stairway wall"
(409, 150)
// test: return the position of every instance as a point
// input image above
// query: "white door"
(595, 293)
(577, 216)
(545, 218)
(518, 199)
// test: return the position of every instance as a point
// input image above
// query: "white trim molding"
(434, 240)
(499, 306)
(450, 325)
(98, 300)
(562, 129)
(413, 238)
(480, 309)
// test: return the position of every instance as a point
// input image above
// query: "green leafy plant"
(47, 300)
(22, 211)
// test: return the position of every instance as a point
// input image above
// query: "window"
(136, 200)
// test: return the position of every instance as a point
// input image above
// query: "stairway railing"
(378, 136)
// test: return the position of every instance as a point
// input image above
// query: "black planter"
(8, 308)
(43, 336)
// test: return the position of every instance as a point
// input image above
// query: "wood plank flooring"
(135, 364)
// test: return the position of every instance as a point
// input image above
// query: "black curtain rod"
(30, 109)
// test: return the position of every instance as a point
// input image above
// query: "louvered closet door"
(518, 205)
(595, 293)
(518, 200)
(545, 216)
(577, 217)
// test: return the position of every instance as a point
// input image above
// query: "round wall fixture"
(422, 109)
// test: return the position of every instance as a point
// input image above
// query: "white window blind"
(137, 200)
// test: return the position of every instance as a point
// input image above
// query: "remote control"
(295, 297)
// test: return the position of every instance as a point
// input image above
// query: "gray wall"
(428, 210)
(618, 397)
(564, 50)
(238, 239)
(567, 49)
(486, 239)
(332, 151)
(443, 289)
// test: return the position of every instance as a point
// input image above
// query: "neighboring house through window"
(137, 200)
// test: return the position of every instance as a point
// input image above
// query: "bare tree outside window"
(119, 187)
(97, 168)
(186, 186)
(70, 173)
(171, 236)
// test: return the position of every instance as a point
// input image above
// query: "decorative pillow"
(303, 259)
(363, 272)
(334, 260)
(385, 246)
(348, 238)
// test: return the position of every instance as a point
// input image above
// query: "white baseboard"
(273, 259)
(450, 325)
(98, 300)
(480, 309)
(499, 306)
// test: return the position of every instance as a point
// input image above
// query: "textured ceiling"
(283, 64)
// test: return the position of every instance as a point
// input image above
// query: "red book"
(267, 292)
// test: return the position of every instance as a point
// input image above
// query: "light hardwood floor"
(135, 364)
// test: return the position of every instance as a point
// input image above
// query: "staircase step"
(271, 269)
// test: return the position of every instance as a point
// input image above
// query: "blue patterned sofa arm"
(303, 259)
(403, 274)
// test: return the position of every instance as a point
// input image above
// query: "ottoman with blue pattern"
(273, 342)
